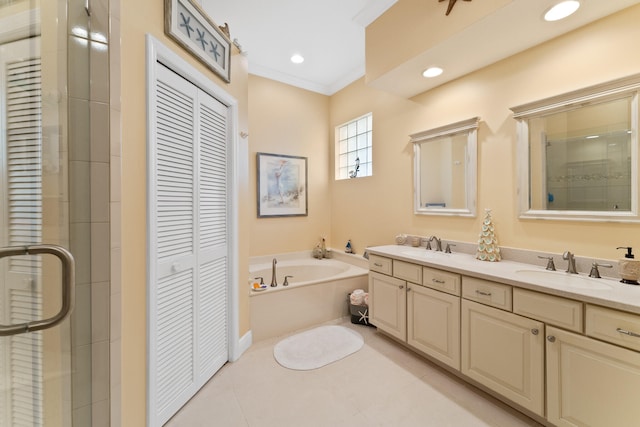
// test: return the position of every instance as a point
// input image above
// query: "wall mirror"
(445, 165)
(578, 154)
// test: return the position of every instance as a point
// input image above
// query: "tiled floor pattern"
(383, 384)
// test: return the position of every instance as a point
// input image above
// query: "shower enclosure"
(47, 162)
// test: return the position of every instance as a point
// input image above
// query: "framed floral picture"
(282, 185)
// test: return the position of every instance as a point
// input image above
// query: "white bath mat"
(317, 347)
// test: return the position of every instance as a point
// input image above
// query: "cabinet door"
(504, 352)
(388, 304)
(591, 383)
(433, 324)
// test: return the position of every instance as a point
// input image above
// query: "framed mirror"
(578, 154)
(445, 166)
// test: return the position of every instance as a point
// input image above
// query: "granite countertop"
(606, 292)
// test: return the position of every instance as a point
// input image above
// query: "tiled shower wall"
(94, 154)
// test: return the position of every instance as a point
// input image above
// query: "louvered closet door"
(212, 222)
(187, 243)
(173, 245)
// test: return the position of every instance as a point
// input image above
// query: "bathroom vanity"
(564, 348)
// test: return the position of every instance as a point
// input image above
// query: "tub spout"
(274, 283)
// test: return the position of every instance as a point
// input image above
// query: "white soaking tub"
(317, 291)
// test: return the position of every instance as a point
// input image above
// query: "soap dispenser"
(629, 267)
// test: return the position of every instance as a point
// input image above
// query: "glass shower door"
(35, 375)
(35, 294)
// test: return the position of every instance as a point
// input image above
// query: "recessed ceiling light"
(432, 72)
(561, 10)
(297, 59)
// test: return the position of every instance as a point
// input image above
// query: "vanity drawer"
(441, 280)
(614, 326)
(550, 309)
(486, 292)
(407, 271)
(380, 264)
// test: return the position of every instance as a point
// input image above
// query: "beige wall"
(295, 122)
(373, 210)
(137, 19)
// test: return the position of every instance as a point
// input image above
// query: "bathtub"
(316, 293)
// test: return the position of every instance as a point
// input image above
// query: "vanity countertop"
(613, 294)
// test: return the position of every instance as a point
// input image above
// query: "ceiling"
(330, 34)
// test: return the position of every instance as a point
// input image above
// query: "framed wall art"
(190, 26)
(282, 185)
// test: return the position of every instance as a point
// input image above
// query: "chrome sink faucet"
(438, 243)
(571, 262)
(274, 283)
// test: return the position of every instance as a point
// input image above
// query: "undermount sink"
(564, 279)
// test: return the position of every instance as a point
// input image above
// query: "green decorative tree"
(488, 249)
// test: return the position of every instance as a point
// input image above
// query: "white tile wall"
(79, 132)
(100, 20)
(100, 375)
(78, 60)
(100, 132)
(100, 191)
(81, 329)
(99, 73)
(80, 191)
(100, 312)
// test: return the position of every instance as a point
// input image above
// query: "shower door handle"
(68, 287)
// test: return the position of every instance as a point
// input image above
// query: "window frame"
(352, 156)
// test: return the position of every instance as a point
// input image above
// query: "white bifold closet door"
(188, 242)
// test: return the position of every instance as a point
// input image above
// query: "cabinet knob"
(535, 331)
(401, 286)
(408, 289)
(551, 338)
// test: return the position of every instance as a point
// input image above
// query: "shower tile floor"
(383, 384)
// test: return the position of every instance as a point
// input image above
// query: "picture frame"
(281, 186)
(187, 24)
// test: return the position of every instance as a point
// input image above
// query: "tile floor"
(383, 384)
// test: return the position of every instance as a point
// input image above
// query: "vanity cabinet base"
(433, 324)
(504, 352)
(591, 383)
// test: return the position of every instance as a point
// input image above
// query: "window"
(353, 148)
